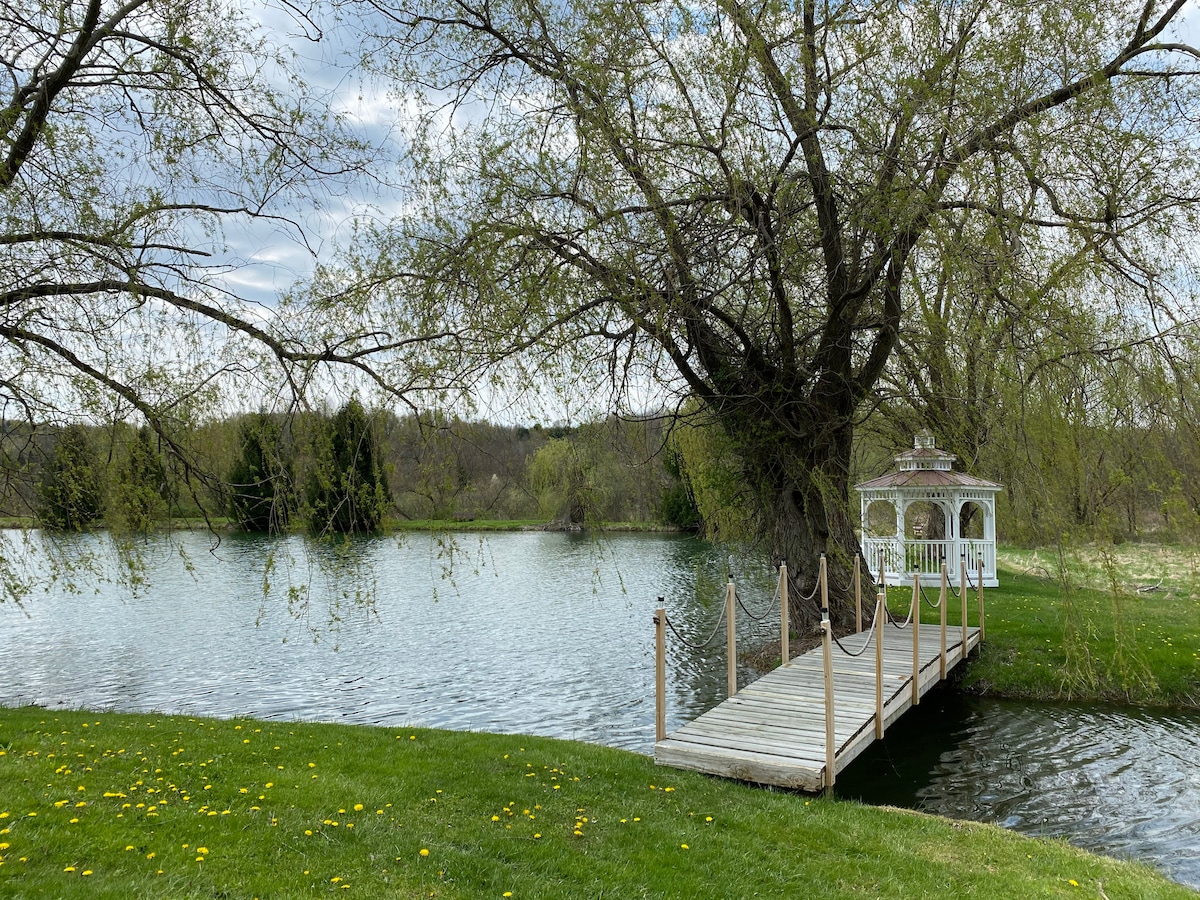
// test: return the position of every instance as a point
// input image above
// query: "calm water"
(552, 634)
(1112, 780)
(526, 632)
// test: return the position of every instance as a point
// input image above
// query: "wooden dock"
(774, 731)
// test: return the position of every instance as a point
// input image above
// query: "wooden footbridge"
(810, 718)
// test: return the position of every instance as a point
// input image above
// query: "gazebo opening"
(924, 514)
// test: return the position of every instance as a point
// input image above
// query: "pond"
(552, 634)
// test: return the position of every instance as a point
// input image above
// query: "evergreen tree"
(71, 487)
(260, 481)
(347, 489)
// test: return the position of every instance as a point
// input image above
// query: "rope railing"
(703, 645)
(769, 609)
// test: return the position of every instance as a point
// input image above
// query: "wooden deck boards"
(773, 730)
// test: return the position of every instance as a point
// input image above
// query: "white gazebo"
(932, 506)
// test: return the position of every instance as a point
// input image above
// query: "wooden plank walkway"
(773, 730)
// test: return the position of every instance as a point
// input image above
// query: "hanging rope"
(893, 619)
(970, 586)
(925, 597)
(816, 587)
(866, 642)
(705, 645)
(771, 607)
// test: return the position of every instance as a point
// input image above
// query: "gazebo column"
(958, 548)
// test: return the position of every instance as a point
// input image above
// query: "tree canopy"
(752, 202)
(166, 168)
(785, 216)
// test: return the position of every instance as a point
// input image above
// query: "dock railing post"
(962, 593)
(660, 672)
(857, 593)
(916, 627)
(942, 606)
(731, 638)
(827, 652)
(880, 627)
(784, 649)
(979, 588)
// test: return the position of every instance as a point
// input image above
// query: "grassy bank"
(1076, 627)
(103, 805)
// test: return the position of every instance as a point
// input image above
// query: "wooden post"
(784, 649)
(827, 652)
(942, 606)
(880, 627)
(731, 639)
(979, 588)
(660, 672)
(857, 593)
(916, 627)
(962, 594)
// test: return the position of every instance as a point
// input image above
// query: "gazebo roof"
(925, 466)
(932, 478)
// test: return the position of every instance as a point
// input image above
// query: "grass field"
(105, 805)
(1077, 627)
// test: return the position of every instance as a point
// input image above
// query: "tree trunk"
(804, 496)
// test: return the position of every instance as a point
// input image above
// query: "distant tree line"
(1093, 458)
(350, 471)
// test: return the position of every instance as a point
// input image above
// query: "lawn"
(106, 805)
(1076, 626)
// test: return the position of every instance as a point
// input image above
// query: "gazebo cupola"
(925, 513)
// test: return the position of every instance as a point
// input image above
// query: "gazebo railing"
(903, 557)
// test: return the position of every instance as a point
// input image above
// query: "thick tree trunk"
(804, 491)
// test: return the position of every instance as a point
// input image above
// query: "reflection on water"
(552, 634)
(533, 632)
(1116, 781)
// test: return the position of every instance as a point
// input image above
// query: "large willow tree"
(737, 198)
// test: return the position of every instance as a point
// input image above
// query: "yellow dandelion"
(684, 847)
(424, 851)
(358, 807)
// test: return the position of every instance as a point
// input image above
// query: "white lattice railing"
(902, 558)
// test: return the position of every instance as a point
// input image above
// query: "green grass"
(105, 805)
(1077, 628)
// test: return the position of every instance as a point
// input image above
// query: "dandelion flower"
(424, 851)
(684, 847)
